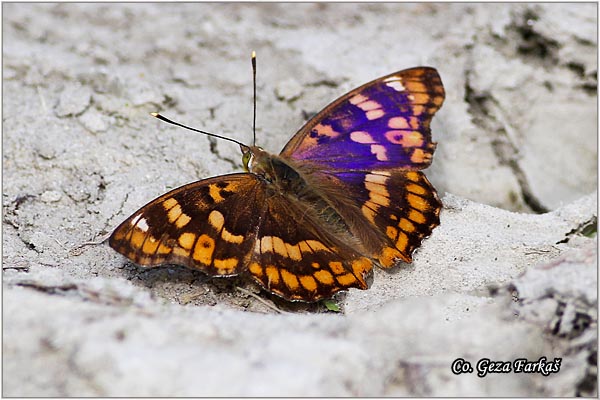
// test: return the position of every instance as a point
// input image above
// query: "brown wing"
(207, 225)
(390, 212)
(227, 226)
(297, 258)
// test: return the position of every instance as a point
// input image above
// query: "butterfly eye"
(246, 158)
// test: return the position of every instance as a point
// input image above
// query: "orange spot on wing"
(186, 240)
(226, 266)
(272, 275)
(377, 188)
(215, 193)
(169, 203)
(279, 246)
(163, 249)
(369, 105)
(419, 156)
(438, 100)
(391, 232)
(413, 139)
(417, 202)
(231, 238)
(150, 245)
(182, 221)
(216, 219)
(414, 122)
(179, 251)
(336, 267)
(413, 176)
(293, 252)
(416, 189)
(137, 238)
(398, 123)
(419, 98)
(361, 266)
(368, 213)
(379, 151)
(406, 225)
(289, 279)
(324, 277)
(379, 199)
(406, 138)
(304, 248)
(376, 178)
(415, 86)
(316, 245)
(388, 256)
(402, 243)
(256, 269)
(174, 213)
(203, 251)
(326, 130)
(266, 244)
(361, 137)
(374, 114)
(309, 283)
(417, 216)
(346, 279)
(418, 110)
(359, 98)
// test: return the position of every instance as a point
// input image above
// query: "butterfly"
(345, 193)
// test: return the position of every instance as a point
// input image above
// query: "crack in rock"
(488, 115)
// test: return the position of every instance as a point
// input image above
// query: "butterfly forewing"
(207, 225)
(381, 125)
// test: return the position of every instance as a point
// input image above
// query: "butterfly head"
(247, 156)
(253, 158)
(258, 161)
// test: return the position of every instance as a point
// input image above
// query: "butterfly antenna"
(254, 84)
(167, 120)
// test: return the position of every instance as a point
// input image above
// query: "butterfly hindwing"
(402, 207)
(380, 125)
(295, 257)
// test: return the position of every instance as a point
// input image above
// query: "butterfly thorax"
(283, 177)
(279, 176)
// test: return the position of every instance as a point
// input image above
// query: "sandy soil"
(510, 273)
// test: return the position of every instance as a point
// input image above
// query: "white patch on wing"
(143, 225)
(374, 114)
(135, 220)
(396, 85)
(361, 137)
(379, 151)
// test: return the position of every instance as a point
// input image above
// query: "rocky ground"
(510, 273)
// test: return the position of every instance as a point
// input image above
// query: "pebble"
(73, 101)
(51, 196)
(93, 121)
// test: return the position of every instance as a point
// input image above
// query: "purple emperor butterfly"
(344, 194)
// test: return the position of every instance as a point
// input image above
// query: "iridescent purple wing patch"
(383, 124)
